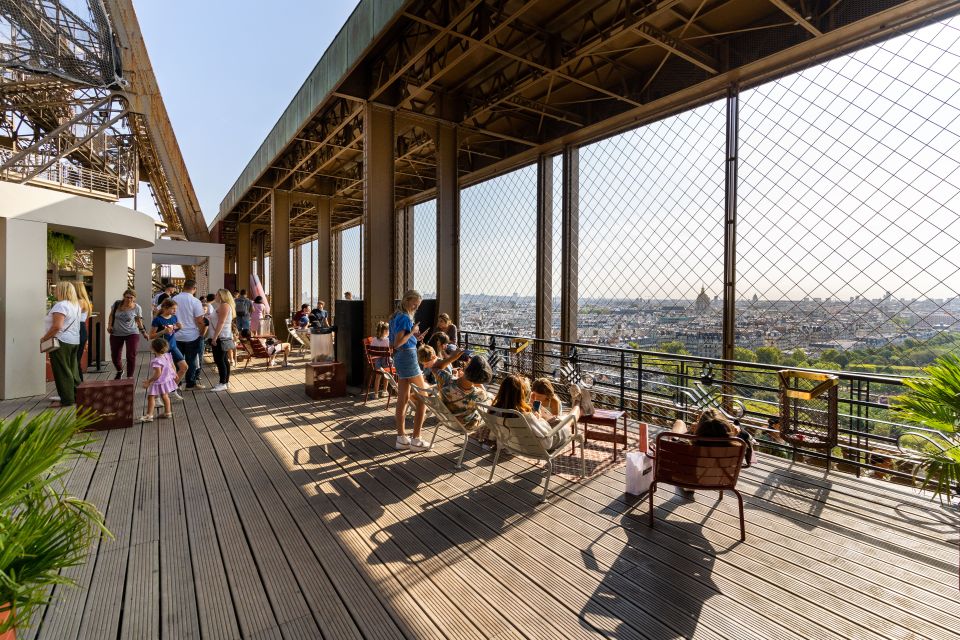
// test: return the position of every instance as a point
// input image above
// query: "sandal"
(166, 416)
(146, 418)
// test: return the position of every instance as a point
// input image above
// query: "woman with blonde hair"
(63, 323)
(86, 308)
(404, 334)
(222, 312)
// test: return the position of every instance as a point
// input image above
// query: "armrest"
(566, 421)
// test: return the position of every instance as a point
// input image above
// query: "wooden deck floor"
(261, 514)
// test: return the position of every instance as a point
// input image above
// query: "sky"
(227, 70)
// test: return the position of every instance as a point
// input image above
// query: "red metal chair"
(691, 462)
(374, 354)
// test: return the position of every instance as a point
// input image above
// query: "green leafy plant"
(934, 401)
(43, 530)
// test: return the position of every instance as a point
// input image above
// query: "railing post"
(570, 219)
(730, 242)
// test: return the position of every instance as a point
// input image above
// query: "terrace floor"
(259, 513)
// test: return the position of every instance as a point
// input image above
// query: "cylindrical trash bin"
(321, 347)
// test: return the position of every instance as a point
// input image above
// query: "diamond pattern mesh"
(849, 212)
(351, 277)
(651, 234)
(498, 244)
(425, 248)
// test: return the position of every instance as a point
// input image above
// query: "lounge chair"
(691, 462)
(255, 349)
(372, 354)
(294, 338)
(513, 433)
(431, 398)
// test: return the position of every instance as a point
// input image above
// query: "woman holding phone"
(404, 334)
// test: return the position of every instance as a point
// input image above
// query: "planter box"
(111, 399)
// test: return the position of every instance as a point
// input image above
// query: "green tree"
(769, 355)
(742, 354)
(674, 346)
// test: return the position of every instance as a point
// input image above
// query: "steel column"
(324, 265)
(279, 256)
(569, 260)
(730, 227)
(297, 271)
(336, 269)
(544, 311)
(244, 256)
(378, 211)
(448, 223)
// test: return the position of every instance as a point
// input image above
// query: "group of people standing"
(180, 323)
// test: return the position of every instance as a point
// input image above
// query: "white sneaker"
(416, 444)
(54, 398)
(402, 444)
(176, 395)
(219, 387)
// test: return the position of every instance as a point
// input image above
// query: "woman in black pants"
(222, 313)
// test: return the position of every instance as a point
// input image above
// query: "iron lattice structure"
(75, 83)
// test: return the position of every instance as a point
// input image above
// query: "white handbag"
(639, 473)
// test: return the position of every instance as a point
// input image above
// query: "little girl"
(381, 340)
(162, 380)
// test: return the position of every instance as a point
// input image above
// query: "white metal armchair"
(431, 398)
(514, 434)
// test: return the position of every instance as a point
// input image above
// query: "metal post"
(544, 311)
(325, 241)
(377, 246)
(448, 223)
(730, 241)
(569, 290)
(279, 256)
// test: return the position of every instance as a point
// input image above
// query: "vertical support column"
(730, 234)
(324, 253)
(297, 287)
(244, 256)
(336, 267)
(544, 270)
(215, 271)
(448, 223)
(110, 281)
(544, 311)
(569, 268)
(279, 256)
(23, 287)
(256, 250)
(405, 250)
(378, 211)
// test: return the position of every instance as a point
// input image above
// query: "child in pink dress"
(163, 379)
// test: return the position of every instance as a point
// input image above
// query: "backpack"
(243, 306)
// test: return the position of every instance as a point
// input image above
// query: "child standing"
(162, 380)
(381, 340)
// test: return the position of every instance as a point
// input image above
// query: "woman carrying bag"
(125, 326)
(62, 340)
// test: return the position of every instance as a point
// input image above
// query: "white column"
(215, 266)
(23, 289)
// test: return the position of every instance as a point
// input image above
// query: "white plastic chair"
(431, 398)
(514, 434)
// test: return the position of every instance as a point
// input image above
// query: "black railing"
(658, 388)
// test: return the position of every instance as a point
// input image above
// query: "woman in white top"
(86, 308)
(63, 323)
(222, 313)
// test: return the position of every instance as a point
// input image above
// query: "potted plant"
(43, 529)
(933, 402)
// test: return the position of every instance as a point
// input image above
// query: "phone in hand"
(536, 405)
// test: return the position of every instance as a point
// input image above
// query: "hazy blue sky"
(227, 70)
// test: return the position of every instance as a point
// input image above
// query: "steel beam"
(297, 272)
(796, 17)
(378, 211)
(279, 255)
(324, 251)
(544, 311)
(244, 256)
(569, 260)
(730, 225)
(448, 223)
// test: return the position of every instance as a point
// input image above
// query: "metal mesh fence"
(849, 211)
(498, 243)
(351, 278)
(425, 248)
(651, 235)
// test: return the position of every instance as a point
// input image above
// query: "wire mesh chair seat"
(431, 397)
(514, 434)
(692, 462)
(294, 337)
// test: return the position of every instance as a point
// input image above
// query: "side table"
(611, 418)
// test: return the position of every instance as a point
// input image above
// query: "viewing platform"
(259, 513)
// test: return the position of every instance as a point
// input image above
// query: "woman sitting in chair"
(514, 394)
(711, 424)
(463, 394)
(271, 345)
